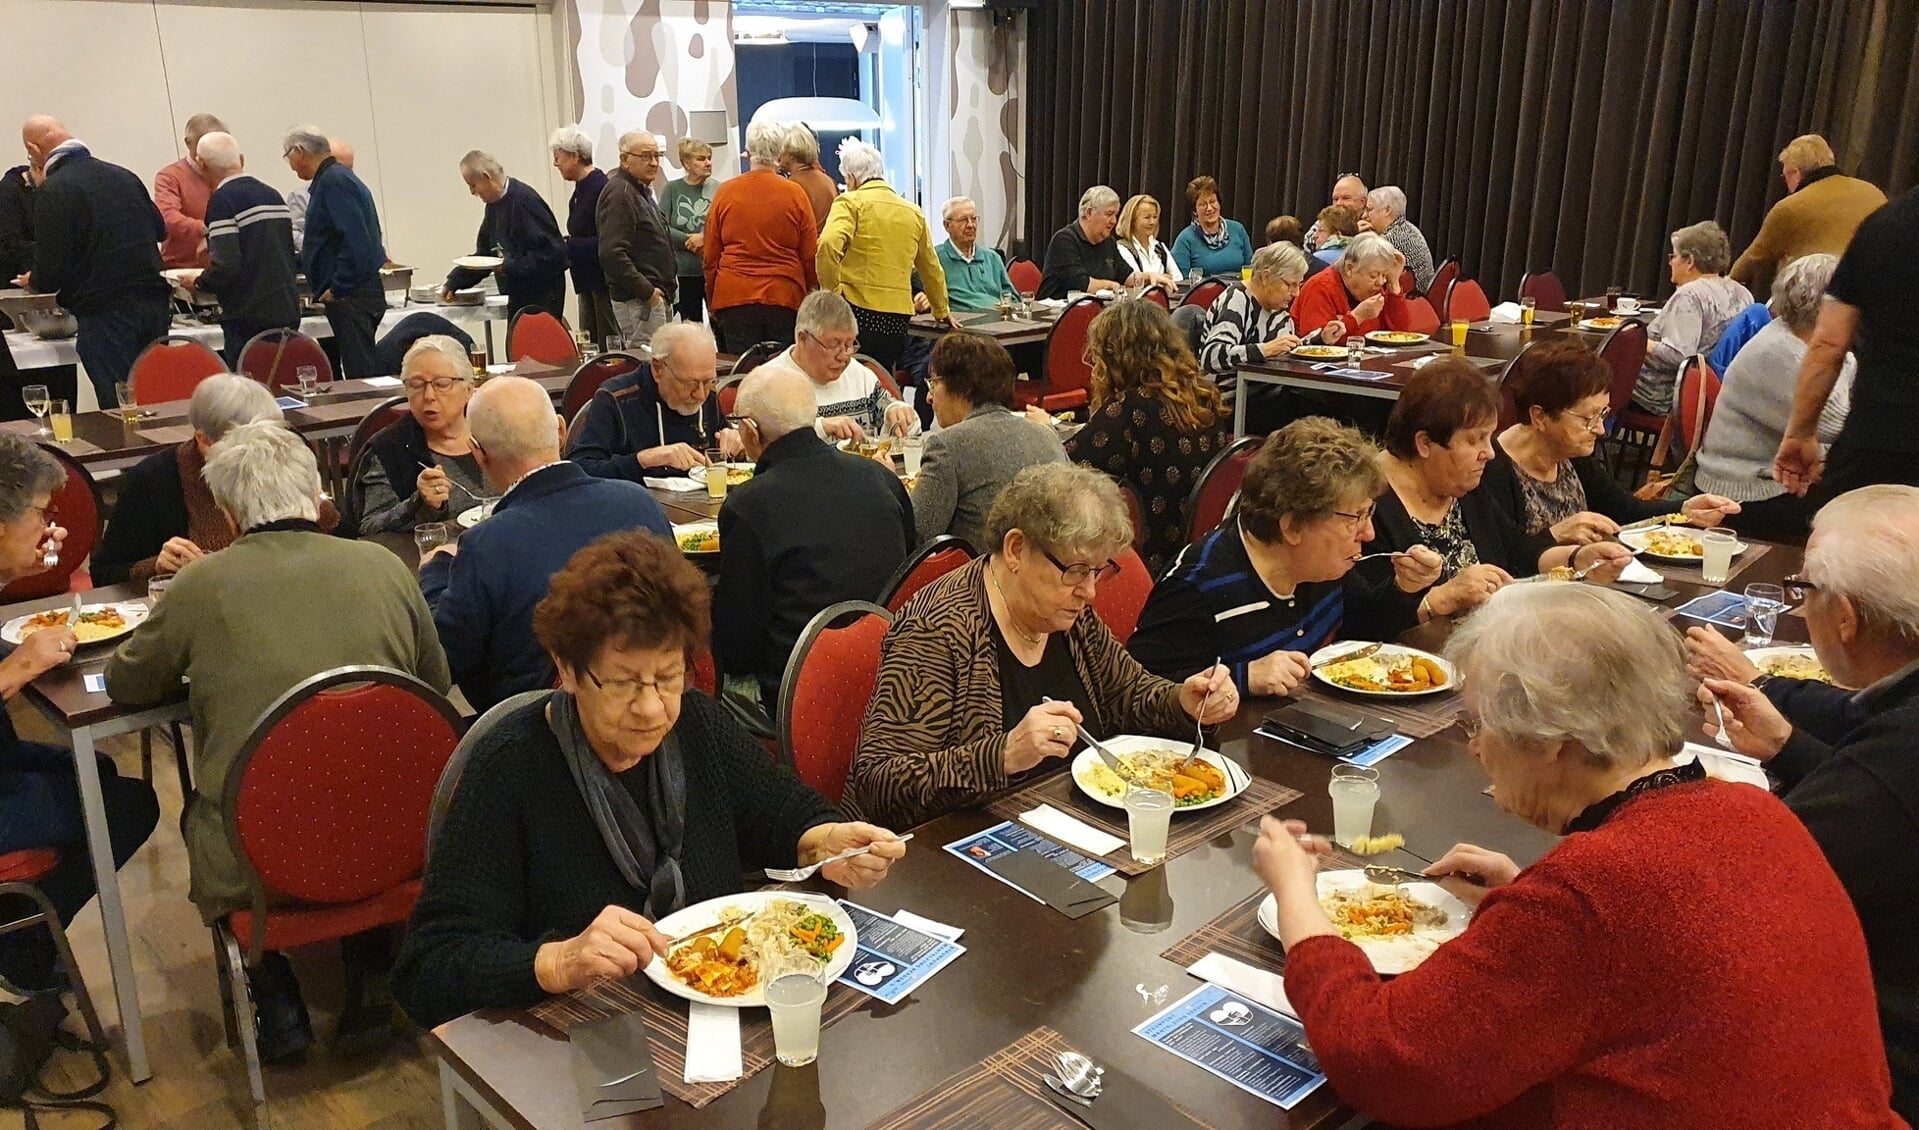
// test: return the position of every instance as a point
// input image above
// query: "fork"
(691, 934)
(796, 874)
(1199, 728)
(1381, 873)
(1724, 741)
(1370, 556)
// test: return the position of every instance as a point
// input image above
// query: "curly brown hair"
(1335, 219)
(631, 589)
(1134, 345)
(1306, 470)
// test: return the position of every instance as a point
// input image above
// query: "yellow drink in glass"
(1459, 333)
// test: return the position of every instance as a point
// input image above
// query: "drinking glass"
(1764, 603)
(1460, 326)
(715, 473)
(1715, 566)
(1193, 276)
(1149, 814)
(62, 418)
(1577, 310)
(123, 394)
(1612, 296)
(794, 1002)
(1004, 307)
(37, 397)
(1527, 305)
(486, 506)
(157, 587)
(1245, 274)
(1355, 790)
(913, 449)
(309, 378)
(477, 355)
(429, 535)
(1355, 351)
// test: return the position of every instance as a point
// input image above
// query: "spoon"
(1080, 1074)
(1063, 1092)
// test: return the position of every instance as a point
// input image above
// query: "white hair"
(1388, 197)
(219, 152)
(859, 161)
(262, 472)
(478, 163)
(954, 205)
(824, 312)
(1865, 547)
(1368, 249)
(1279, 260)
(778, 400)
(572, 139)
(765, 141)
(630, 136)
(1705, 243)
(673, 336)
(1800, 288)
(1095, 198)
(309, 140)
(511, 424)
(443, 344)
(224, 401)
(1621, 694)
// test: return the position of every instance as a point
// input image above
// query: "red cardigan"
(760, 243)
(1325, 297)
(1693, 962)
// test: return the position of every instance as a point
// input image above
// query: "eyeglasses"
(1594, 422)
(701, 383)
(1359, 519)
(1468, 725)
(641, 153)
(623, 692)
(739, 421)
(838, 348)
(1798, 588)
(437, 384)
(1077, 575)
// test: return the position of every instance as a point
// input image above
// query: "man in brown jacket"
(1821, 210)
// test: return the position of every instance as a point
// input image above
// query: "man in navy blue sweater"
(519, 228)
(483, 589)
(573, 157)
(249, 247)
(660, 419)
(342, 254)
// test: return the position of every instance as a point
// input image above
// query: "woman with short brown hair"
(981, 443)
(1211, 244)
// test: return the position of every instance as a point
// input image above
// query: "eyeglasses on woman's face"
(1357, 519)
(624, 692)
(1075, 575)
(441, 385)
(1592, 421)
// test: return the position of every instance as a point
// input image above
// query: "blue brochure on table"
(1727, 609)
(1008, 838)
(893, 958)
(1243, 1042)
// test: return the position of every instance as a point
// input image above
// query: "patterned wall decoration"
(987, 138)
(643, 64)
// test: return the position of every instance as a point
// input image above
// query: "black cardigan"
(1604, 495)
(151, 509)
(96, 238)
(1495, 536)
(518, 861)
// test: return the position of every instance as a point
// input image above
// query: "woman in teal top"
(685, 202)
(1211, 244)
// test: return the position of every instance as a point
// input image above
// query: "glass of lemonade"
(61, 417)
(1149, 815)
(715, 473)
(1527, 306)
(912, 450)
(1715, 565)
(794, 1002)
(1355, 790)
(1460, 326)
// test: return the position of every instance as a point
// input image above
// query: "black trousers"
(110, 340)
(355, 317)
(740, 328)
(882, 335)
(1851, 464)
(691, 304)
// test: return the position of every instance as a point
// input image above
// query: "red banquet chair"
(328, 806)
(823, 694)
(1624, 351)
(1119, 601)
(755, 356)
(728, 394)
(1464, 300)
(1155, 294)
(1026, 276)
(925, 565)
(1508, 407)
(19, 872)
(76, 507)
(274, 358)
(1420, 315)
(1212, 496)
(1204, 293)
(1408, 282)
(1069, 376)
(1546, 291)
(463, 752)
(171, 369)
(541, 336)
(593, 374)
(1695, 395)
(1442, 280)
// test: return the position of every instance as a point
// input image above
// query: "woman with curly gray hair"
(1696, 314)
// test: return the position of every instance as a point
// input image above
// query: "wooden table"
(1027, 965)
(1007, 332)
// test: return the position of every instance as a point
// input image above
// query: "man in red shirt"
(182, 194)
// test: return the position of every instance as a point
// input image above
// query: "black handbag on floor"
(29, 1033)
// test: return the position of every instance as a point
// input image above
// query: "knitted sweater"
(520, 227)
(583, 234)
(1820, 217)
(1755, 402)
(1190, 250)
(519, 862)
(250, 244)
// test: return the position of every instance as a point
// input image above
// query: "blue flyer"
(1243, 1042)
(1007, 838)
(893, 958)
(1727, 609)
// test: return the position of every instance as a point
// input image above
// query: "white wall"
(413, 87)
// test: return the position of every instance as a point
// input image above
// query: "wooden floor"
(198, 1083)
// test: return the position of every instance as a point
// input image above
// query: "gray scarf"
(646, 834)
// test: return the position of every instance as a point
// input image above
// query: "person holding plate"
(1589, 988)
(988, 672)
(588, 814)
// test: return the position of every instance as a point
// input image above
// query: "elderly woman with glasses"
(1253, 320)
(430, 447)
(1693, 318)
(1589, 987)
(1359, 295)
(989, 672)
(1544, 474)
(853, 402)
(662, 418)
(589, 813)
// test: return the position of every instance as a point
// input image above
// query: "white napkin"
(712, 1044)
(382, 382)
(674, 483)
(1725, 765)
(1636, 573)
(1071, 830)
(1419, 363)
(1505, 312)
(937, 929)
(1268, 989)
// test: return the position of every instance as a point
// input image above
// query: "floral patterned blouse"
(1449, 539)
(1134, 440)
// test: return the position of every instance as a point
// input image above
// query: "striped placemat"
(1689, 574)
(1414, 717)
(1238, 934)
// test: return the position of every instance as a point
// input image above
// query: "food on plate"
(718, 969)
(784, 936)
(699, 541)
(1397, 337)
(1401, 673)
(1153, 769)
(1323, 351)
(1667, 543)
(871, 448)
(100, 623)
(1063, 419)
(1606, 323)
(1794, 666)
(1377, 845)
(1561, 573)
(1376, 911)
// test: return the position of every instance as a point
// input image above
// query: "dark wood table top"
(62, 692)
(1003, 330)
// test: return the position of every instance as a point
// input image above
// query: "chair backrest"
(1420, 315)
(1191, 321)
(384, 415)
(1443, 278)
(331, 794)
(1545, 289)
(706, 674)
(1118, 602)
(590, 377)
(755, 356)
(885, 378)
(1508, 408)
(1698, 394)
(1026, 275)
(76, 507)
(456, 764)
(170, 369)
(1464, 299)
(728, 393)
(1408, 282)
(1204, 294)
(1624, 350)
(274, 358)
(823, 694)
(1206, 507)
(542, 336)
(1067, 369)
(1155, 294)
(922, 567)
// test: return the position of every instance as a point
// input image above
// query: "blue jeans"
(40, 808)
(109, 341)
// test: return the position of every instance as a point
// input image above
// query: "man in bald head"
(342, 152)
(182, 193)
(1349, 192)
(483, 588)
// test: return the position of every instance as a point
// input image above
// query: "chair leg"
(146, 754)
(80, 995)
(224, 977)
(244, 1018)
(180, 759)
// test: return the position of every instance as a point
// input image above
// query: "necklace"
(1008, 605)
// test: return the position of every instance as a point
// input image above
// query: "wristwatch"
(1759, 682)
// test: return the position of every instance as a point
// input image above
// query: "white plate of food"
(471, 517)
(1789, 663)
(478, 262)
(1396, 926)
(1209, 782)
(788, 932)
(1671, 543)
(1320, 352)
(697, 537)
(1603, 324)
(98, 622)
(1397, 339)
(736, 473)
(1390, 672)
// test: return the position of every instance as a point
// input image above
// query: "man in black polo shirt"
(1084, 255)
(1868, 310)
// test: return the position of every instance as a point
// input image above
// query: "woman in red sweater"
(1359, 295)
(759, 249)
(1684, 958)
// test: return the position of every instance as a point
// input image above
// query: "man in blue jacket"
(482, 590)
(660, 419)
(519, 228)
(342, 254)
(249, 248)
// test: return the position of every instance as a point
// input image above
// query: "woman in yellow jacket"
(873, 240)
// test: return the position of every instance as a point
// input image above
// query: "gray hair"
(218, 151)
(224, 401)
(797, 141)
(511, 424)
(630, 136)
(670, 337)
(1865, 547)
(1095, 198)
(26, 473)
(1705, 243)
(572, 139)
(1061, 508)
(308, 140)
(1799, 289)
(951, 206)
(261, 472)
(824, 312)
(1621, 695)
(1388, 197)
(1368, 249)
(478, 163)
(766, 142)
(778, 400)
(859, 161)
(200, 125)
(446, 346)
(1279, 261)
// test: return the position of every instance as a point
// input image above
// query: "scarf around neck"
(1214, 241)
(645, 834)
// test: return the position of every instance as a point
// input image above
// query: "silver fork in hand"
(1724, 740)
(796, 874)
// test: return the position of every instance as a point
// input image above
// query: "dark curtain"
(1527, 134)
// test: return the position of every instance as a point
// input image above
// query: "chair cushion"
(27, 865)
(291, 927)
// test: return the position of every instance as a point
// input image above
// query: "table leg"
(113, 920)
(463, 1109)
(489, 341)
(1239, 406)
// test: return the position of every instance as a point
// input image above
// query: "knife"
(1357, 653)
(1104, 754)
